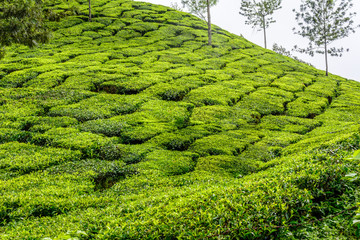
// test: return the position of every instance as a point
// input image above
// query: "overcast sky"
(226, 15)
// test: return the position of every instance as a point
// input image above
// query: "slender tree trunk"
(264, 27)
(326, 59)
(89, 10)
(209, 22)
(325, 18)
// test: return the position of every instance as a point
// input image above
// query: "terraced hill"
(131, 127)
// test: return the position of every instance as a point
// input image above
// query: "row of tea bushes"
(206, 199)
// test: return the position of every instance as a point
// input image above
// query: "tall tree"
(22, 22)
(323, 22)
(259, 13)
(201, 8)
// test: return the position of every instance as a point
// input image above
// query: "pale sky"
(226, 15)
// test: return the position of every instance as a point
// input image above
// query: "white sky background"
(226, 15)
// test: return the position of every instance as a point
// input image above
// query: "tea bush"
(232, 143)
(98, 107)
(168, 162)
(214, 95)
(267, 101)
(289, 124)
(90, 144)
(21, 158)
(10, 135)
(307, 105)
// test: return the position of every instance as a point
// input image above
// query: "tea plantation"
(132, 127)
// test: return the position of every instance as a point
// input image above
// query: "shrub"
(48, 79)
(20, 158)
(98, 107)
(213, 76)
(184, 71)
(168, 163)
(289, 124)
(266, 101)
(117, 25)
(175, 90)
(173, 141)
(245, 65)
(223, 115)
(289, 83)
(52, 98)
(159, 66)
(17, 78)
(307, 105)
(128, 34)
(42, 124)
(33, 187)
(10, 135)
(80, 82)
(108, 127)
(323, 87)
(221, 144)
(346, 114)
(132, 85)
(143, 27)
(227, 165)
(13, 110)
(214, 64)
(11, 124)
(143, 132)
(159, 111)
(88, 143)
(110, 174)
(214, 95)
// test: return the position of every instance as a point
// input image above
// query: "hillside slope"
(131, 127)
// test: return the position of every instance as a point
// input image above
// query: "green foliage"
(42, 124)
(130, 127)
(223, 164)
(201, 8)
(292, 82)
(214, 95)
(266, 101)
(307, 105)
(132, 85)
(22, 23)
(88, 143)
(168, 162)
(9, 135)
(258, 13)
(18, 78)
(98, 107)
(21, 158)
(178, 141)
(16, 109)
(175, 90)
(232, 143)
(289, 124)
(107, 127)
(316, 20)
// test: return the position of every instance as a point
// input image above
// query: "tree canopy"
(259, 13)
(22, 22)
(322, 22)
